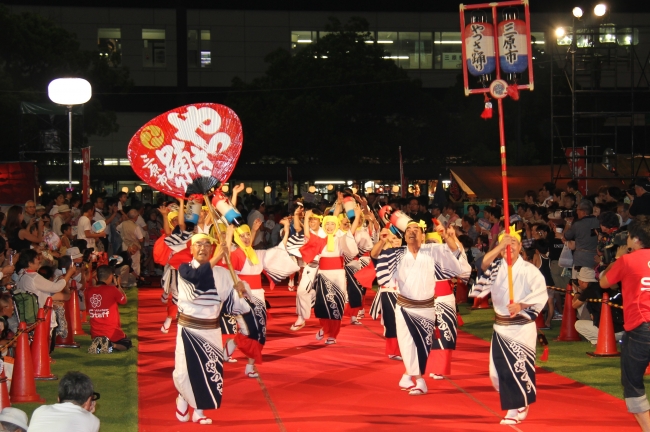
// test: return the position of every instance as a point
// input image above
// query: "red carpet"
(352, 386)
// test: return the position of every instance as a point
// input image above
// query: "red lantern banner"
(85, 174)
(198, 140)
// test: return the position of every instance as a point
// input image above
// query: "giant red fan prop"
(192, 141)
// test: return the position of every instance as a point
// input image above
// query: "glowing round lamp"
(395, 189)
(138, 189)
(600, 9)
(312, 189)
(249, 190)
(577, 12)
(330, 187)
(125, 189)
(69, 91)
(267, 189)
(225, 188)
(91, 191)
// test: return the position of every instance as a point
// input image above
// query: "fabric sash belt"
(409, 303)
(330, 263)
(255, 281)
(516, 320)
(198, 323)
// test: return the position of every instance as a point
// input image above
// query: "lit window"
(199, 53)
(153, 52)
(109, 44)
(300, 39)
(125, 162)
(448, 51)
(111, 162)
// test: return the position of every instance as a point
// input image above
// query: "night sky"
(624, 6)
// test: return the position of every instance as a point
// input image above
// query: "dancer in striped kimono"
(385, 301)
(203, 291)
(512, 352)
(249, 265)
(171, 250)
(329, 282)
(446, 332)
(353, 264)
(416, 268)
(306, 294)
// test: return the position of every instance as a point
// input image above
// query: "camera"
(87, 253)
(568, 214)
(620, 239)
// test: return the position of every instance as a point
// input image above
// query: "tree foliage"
(34, 51)
(336, 98)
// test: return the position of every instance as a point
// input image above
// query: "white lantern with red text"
(479, 47)
(513, 44)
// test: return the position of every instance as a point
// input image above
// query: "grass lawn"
(565, 358)
(114, 375)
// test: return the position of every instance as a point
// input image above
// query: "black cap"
(643, 183)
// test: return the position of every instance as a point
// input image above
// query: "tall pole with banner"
(486, 54)
(402, 179)
(85, 183)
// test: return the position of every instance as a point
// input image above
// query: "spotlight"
(312, 189)
(600, 9)
(395, 189)
(560, 32)
(249, 190)
(225, 188)
(330, 187)
(125, 189)
(577, 12)
(138, 189)
(267, 189)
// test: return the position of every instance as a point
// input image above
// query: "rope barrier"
(587, 300)
(13, 340)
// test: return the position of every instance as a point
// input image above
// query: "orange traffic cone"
(23, 387)
(4, 393)
(460, 320)
(41, 344)
(75, 316)
(481, 303)
(68, 341)
(568, 332)
(606, 346)
(647, 370)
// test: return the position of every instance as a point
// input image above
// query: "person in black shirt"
(641, 202)
(589, 289)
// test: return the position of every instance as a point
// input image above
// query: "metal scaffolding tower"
(600, 103)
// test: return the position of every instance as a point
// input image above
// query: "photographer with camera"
(30, 281)
(584, 234)
(640, 197)
(632, 271)
(607, 247)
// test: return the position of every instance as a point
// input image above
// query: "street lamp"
(600, 9)
(69, 92)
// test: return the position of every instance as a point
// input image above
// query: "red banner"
(198, 140)
(85, 177)
(579, 169)
(17, 182)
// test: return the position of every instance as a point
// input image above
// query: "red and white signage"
(198, 140)
(85, 177)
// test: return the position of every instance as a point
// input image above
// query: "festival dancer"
(306, 294)
(512, 352)
(204, 289)
(446, 331)
(353, 264)
(249, 265)
(171, 250)
(416, 268)
(386, 299)
(329, 282)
